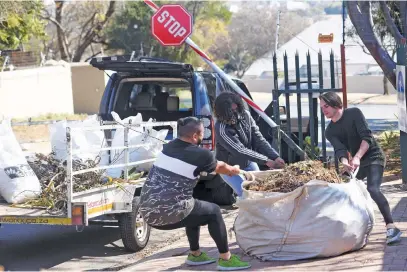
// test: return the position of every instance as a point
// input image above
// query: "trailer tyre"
(135, 232)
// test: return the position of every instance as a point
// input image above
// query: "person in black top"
(348, 132)
(239, 140)
(166, 200)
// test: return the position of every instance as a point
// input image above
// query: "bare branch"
(390, 22)
(54, 21)
(363, 48)
(93, 32)
(403, 15)
(86, 25)
(100, 42)
(360, 16)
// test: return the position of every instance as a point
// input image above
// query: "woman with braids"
(239, 141)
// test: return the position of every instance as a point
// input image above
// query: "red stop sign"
(171, 25)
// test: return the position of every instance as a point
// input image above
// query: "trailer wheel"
(135, 232)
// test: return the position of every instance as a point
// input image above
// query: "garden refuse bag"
(18, 182)
(318, 219)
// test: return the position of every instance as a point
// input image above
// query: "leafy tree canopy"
(19, 22)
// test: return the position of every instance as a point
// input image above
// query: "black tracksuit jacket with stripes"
(242, 143)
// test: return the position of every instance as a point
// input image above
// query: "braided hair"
(229, 108)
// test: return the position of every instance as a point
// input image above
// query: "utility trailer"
(115, 204)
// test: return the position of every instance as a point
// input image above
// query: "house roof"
(307, 41)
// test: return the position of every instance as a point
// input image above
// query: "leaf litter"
(294, 176)
(54, 185)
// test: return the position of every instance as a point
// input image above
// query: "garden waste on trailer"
(40, 181)
(70, 186)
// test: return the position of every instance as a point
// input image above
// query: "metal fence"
(314, 87)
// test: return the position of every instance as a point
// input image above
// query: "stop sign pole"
(234, 86)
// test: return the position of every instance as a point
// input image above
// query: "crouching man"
(348, 131)
(166, 197)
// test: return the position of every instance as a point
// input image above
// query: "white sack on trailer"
(151, 140)
(18, 181)
(88, 141)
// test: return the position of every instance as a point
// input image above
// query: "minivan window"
(210, 82)
(159, 99)
(203, 105)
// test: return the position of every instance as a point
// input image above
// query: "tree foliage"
(251, 35)
(77, 26)
(130, 30)
(380, 25)
(19, 22)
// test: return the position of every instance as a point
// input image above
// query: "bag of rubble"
(317, 219)
(89, 141)
(150, 140)
(18, 181)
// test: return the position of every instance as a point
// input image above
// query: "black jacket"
(241, 143)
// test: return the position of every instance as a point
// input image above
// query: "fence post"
(287, 105)
(311, 107)
(126, 151)
(299, 108)
(321, 88)
(276, 108)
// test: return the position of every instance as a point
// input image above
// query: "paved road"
(31, 248)
(28, 247)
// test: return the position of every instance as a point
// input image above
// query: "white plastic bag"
(318, 219)
(18, 181)
(90, 141)
(151, 140)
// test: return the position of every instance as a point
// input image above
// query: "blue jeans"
(235, 182)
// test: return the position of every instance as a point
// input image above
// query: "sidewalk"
(375, 256)
(377, 99)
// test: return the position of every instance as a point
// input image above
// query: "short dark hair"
(223, 106)
(332, 99)
(188, 126)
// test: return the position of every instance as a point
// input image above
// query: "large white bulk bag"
(151, 142)
(88, 141)
(18, 181)
(318, 219)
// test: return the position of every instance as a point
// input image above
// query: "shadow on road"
(56, 246)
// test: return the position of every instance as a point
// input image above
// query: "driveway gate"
(307, 141)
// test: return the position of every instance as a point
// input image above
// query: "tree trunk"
(90, 36)
(360, 15)
(385, 87)
(60, 34)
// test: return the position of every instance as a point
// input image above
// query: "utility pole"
(277, 29)
(343, 59)
(343, 22)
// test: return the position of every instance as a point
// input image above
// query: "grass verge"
(390, 143)
(40, 132)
